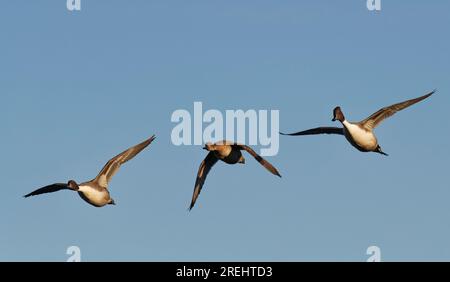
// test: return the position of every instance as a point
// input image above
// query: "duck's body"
(229, 153)
(95, 192)
(94, 195)
(360, 134)
(362, 139)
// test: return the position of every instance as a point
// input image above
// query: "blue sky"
(76, 88)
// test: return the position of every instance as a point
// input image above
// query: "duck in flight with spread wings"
(360, 134)
(95, 192)
(229, 153)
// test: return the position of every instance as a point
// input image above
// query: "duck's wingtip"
(150, 140)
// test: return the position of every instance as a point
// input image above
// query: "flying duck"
(229, 153)
(360, 134)
(95, 192)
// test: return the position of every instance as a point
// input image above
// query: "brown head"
(209, 147)
(73, 185)
(338, 115)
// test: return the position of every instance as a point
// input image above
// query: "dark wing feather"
(203, 171)
(113, 165)
(318, 130)
(260, 159)
(49, 189)
(375, 119)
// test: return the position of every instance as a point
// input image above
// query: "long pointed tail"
(378, 150)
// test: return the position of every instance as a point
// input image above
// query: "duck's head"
(338, 115)
(209, 147)
(111, 202)
(73, 185)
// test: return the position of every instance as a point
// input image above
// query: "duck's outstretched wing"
(203, 171)
(375, 119)
(113, 165)
(260, 159)
(49, 189)
(318, 130)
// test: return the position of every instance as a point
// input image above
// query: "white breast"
(363, 138)
(94, 196)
